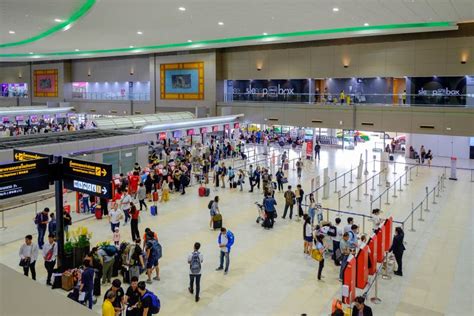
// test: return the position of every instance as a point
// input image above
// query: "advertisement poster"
(437, 90)
(45, 83)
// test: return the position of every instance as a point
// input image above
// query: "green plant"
(80, 237)
(68, 246)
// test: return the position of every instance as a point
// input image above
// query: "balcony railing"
(111, 96)
(461, 100)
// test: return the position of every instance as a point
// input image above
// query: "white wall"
(441, 145)
(111, 69)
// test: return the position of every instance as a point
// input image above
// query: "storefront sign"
(90, 177)
(439, 92)
(271, 91)
(20, 178)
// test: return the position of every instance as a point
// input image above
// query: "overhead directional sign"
(23, 155)
(89, 177)
(20, 178)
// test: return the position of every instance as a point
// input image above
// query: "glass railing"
(461, 100)
(111, 96)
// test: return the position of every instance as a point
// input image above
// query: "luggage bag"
(154, 210)
(217, 221)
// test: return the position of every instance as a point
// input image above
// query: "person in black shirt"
(145, 300)
(119, 295)
(67, 223)
(132, 297)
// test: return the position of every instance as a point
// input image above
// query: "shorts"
(151, 263)
(308, 239)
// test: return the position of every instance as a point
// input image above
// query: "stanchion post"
(387, 194)
(394, 167)
(363, 224)
(350, 181)
(409, 171)
(358, 193)
(371, 198)
(339, 201)
(349, 205)
(373, 170)
(380, 179)
(395, 189)
(412, 228)
(400, 184)
(434, 195)
(439, 184)
(335, 182)
(344, 180)
(373, 184)
(421, 212)
(427, 202)
(365, 185)
(406, 177)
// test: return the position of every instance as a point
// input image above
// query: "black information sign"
(23, 177)
(24, 155)
(89, 177)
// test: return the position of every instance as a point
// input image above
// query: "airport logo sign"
(439, 92)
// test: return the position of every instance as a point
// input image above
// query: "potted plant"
(80, 239)
(68, 257)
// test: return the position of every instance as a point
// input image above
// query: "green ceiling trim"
(270, 37)
(58, 27)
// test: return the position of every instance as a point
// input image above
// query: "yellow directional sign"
(87, 176)
(23, 155)
(88, 169)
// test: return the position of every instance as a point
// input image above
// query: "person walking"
(87, 283)
(319, 246)
(307, 235)
(225, 240)
(50, 253)
(269, 203)
(135, 215)
(299, 168)
(317, 150)
(41, 221)
(299, 194)
(289, 202)
(150, 303)
(255, 179)
(85, 203)
(153, 254)
(114, 217)
(422, 154)
(67, 220)
(141, 195)
(195, 260)
(125, 205)
(279, 177)
(52, 224)
(28, 255)
(398, 248)
(312, 208)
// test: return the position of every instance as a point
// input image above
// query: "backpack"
(209, 206)
(230, 239)
(110, 250)
(156, 248)
(155, 302)
(332, 231)
(195, 264)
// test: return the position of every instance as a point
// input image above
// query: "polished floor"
(270, 275)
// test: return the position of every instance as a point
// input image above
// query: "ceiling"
(91, 28)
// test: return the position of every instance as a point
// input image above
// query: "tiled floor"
(269, 274)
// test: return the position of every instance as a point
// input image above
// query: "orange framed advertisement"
(45, 83)
(182, 81)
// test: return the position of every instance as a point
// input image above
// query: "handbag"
(24, 262)
(316, 255)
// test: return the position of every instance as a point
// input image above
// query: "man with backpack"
(153, 254)
(107, 253)
(195, 260)
(149, 302)
(41, 221)
(225, 240)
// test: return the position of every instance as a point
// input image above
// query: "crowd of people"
(41, 127)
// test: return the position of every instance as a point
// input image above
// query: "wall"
(209, 102)
(111, 69)
(9, 73)
(418, 57)
(441, 145)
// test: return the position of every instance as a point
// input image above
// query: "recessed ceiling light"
(31, 53)
(190, 41)
(131, 46)
(366, 24)
(265, 33)
(11, 32)
(139, 32)
(58, 20)
(76, 49)
(336, 9)
(220, 23)
(182, 9)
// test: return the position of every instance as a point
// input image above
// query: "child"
(116, 236)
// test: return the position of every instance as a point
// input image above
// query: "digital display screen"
(203, 130)
(236, 125)
(162, 135)
(177, 134)
(19, 118)
(215, 128)
(190, 132)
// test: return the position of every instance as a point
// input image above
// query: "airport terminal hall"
(238, 158)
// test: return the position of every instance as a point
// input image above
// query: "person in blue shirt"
(225, 241)
(52, 225)
(87, 282)
(353, 236)
(255, 179)
(269, 207)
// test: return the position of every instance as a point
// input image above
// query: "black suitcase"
(126, 275)
(234, 185)
(390, 157)
(266, 223)
(207, 192)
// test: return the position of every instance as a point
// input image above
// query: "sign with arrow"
(24, 155)
(20, 177)
(89, 177)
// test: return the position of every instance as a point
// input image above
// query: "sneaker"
(225, 272)
(197, 299)
(156, 278)
(219, 269)
(190, 290)
(149, 281)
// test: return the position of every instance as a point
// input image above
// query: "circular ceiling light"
(131, 46)
(58, 20)
(11, 32)
(265, 33)
(76, 50)
(190, 41)
(335, 9)
(220, 23)
(366, 24)
(139, 32)
(182, 9)
(31, 53)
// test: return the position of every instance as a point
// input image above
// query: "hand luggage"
(202, 191)
(234, 185)
(67, 282)
(391, 157)
(126, 274)
(155, 196)
(154, 210)
(57, 280)
(98, 212)
(208, 191)
(217, 221)
(266, 223)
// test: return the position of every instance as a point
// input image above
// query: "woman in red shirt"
(133, 183)
(135, 213)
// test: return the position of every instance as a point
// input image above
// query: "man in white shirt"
(348, 227)
(28, 255)
(195, 260)
(114, 218)
(125, 205)
(336, 241)
(50, 252)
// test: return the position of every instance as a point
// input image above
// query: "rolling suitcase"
(202, 191)
(217, 221)
(154, 210)
(98, 212)
(155, 196)
(126, 274)
(208, 191)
